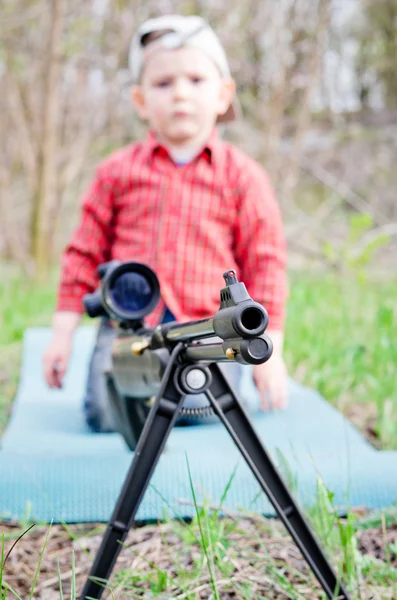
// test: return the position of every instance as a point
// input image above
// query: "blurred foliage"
(357, 252)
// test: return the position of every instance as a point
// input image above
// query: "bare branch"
(28, 151)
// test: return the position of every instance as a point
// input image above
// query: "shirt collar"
(211, 150)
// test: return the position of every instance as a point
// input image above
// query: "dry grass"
(254, 558)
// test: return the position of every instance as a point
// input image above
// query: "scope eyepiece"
(129, 292)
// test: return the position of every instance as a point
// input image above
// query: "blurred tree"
(62, 88)
(45, 198)
(376, 33)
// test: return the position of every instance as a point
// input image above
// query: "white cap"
(191, 30)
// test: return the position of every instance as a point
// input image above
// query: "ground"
(259, 561)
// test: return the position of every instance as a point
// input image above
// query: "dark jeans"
(97, 409)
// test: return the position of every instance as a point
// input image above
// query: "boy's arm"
(261, 255)
(56, 356)
(89, 246)
(271, 377)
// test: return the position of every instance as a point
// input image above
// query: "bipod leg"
(226, 405)
(147, 453)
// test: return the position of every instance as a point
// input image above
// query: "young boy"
(183, 202)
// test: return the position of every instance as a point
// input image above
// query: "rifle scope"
(128, 293)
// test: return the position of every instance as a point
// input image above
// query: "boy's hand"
(57, 354)
(56, 359)
(271, 380)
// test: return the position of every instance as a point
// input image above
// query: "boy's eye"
(162, 83)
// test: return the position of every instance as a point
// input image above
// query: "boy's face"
(181, 94)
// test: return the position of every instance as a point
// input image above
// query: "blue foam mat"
(51, 465)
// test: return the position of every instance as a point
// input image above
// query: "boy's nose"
(181, 88)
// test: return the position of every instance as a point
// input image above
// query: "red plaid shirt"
(189, 224)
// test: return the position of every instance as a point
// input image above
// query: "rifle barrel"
(185, 332)
(205, 352)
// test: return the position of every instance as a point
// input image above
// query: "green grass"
(23, 304)
(341, 340)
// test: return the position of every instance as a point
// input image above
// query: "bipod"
(179, 380)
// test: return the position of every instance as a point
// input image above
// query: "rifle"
(152, 372)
